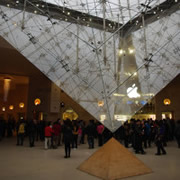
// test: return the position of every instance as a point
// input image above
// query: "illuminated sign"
(132, 92)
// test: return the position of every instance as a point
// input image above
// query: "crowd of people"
(138, 134)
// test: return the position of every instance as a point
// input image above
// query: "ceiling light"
(131, 51)
(102, 117)
(21, 105)
(14, 23)
(35, 12)
(121, 51)
(11, 107)
(17, 2)
(117, 94)
(167, 101)
(136, 102)
(8, 5)
(68, 13)
(149, 94)
(135, 74)
(100, 103)
(154, 12)
(120, 117)
(127, 73)
(37, 101)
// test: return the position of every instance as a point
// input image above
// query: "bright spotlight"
(131, 51)
(121, 51)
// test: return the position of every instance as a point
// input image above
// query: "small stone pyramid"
(113, 161)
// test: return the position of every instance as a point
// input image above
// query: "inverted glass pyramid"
(111, 74)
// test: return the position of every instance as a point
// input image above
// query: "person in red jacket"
(57, 132)
(48, 133)
(100, 129)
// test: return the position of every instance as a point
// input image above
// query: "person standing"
(42, 125)
(48, 135)
(91, 131)
(100, 129)
(10, 127)
(159, 138)
(177, 133)
(82, 123)
(75, 135)
(60, 131)
(138, 138)
(57, 131)
(37, 133)
(79, 134)
(20, 133)
(1, 128)
(67, 134)
(126, 134)
(32, 132)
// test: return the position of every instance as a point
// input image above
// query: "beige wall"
(16, 95)
(39, 87)
(172, 92)
(69, 103)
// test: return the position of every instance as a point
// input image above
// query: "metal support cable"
(103, 83)
(104, 33)
(77, 50)
(23, 19)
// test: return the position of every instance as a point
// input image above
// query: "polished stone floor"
(25, 163)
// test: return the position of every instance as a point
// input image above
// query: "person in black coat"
(67, 134)
(126, 134)
(1, 129)
(91, 131)
(159, 138)
(138, 132)
(177, 133)
(32, 132)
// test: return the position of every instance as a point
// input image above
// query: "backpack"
(21, 128)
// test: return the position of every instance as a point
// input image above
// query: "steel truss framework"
(121, 71)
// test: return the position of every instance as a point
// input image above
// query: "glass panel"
(123, 71)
